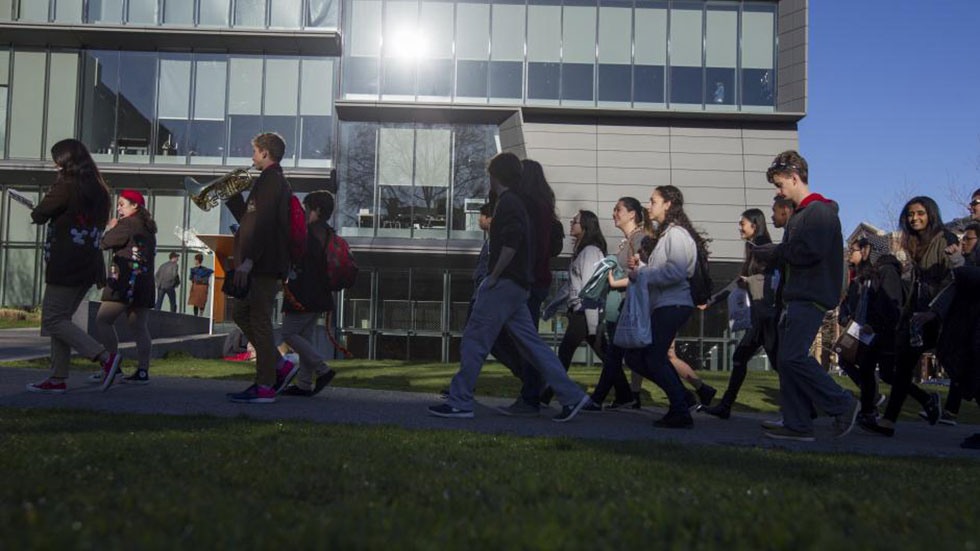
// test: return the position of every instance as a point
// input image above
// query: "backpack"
(297, 230)
(340, 265)
(700, 282)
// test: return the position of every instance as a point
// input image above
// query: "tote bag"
(633, 327)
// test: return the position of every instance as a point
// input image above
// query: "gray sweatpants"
(57, 308)
(136, 318)
(505, 305)
(297, 332)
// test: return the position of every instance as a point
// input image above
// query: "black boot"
(705, 394)
(722, 410)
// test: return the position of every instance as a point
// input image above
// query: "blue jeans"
(803, 383)
(505, 306)
(665, 322)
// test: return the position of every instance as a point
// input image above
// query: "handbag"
(633, 327)
(739, 310)
(856, 333)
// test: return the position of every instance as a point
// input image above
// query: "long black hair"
(676, 216)
(534, 187)
(79, 171)
(761, 237)
(913, 242)
(591, 233)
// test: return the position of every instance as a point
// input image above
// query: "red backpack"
(297, 230)
(340, 265)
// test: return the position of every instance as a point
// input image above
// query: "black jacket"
(510, 228)
(71, 244)
(263, 233)
(811, 256)
(133, 244)
(307, 290)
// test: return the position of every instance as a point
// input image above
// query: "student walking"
(924, 240)
(261, 254)
(501, 301)
(76, 211)
(168, 278)
(665, 278)
(630, 218)
(812, 269)
(583, 318)
(756, 279)
(132, 239)
(306, 297)
(200, 284)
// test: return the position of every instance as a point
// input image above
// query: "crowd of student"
(626, 303)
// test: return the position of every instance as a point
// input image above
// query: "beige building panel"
(726, 214)
(574, 192)
(697, 195)
(700, 132)
(759, 146)
(760, 163)
(633, 159)
(786, 134)
(560, 140)
(562, 157)
(633, 130)
(705, 144)
(640, 177)
(707, 178)
(612, 193)
(761, 198)
(706, 161)
(570, 174)
(560, 128)
(633, 142)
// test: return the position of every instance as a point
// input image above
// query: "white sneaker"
(96, 378)
(770, 424)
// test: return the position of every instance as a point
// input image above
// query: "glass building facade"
(398, 118)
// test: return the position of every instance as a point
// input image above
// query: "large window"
(203, 109)
(27, 104)
(650, 54)
(4, 93)
(413, 181)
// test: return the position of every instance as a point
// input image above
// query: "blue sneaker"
(254, 394)
(449, 412)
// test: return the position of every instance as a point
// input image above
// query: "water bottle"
(915, 335)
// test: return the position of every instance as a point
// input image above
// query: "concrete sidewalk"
(185, 396)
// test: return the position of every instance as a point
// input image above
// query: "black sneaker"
(971, 442)
(569, 412)
(322, 381)
(444, 393)
(674, 420)
(293, 390)
(449, 412)
(592, 406)
(630, 404)
(141, 377)
(705, 394)
(870, 424)
(691, 400)
(720, 410)
(784, 433)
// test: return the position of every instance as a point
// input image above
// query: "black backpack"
(700, 282)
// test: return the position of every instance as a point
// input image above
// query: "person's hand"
(919, 319)
(241, 273)
(112, 223)
(704, 306)
(953, 249)
(633, 262)
(490, 282)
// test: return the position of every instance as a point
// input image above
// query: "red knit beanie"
(133, 196)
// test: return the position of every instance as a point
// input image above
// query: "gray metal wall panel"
(633, 142)
(791, 58)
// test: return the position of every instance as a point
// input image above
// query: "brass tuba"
(209, 195)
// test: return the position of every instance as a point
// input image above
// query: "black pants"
(870, 360)
(906, 359)
(612, 376)
(761, 334)
(576, 332)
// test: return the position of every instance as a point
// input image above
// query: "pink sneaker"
(285, 374)
(48, 386)
(110, 368)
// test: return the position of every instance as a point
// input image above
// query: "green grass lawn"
(760, 392)
(95, 480)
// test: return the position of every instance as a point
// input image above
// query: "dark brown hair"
(272, 143)
(787, 163)
(676, 215)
